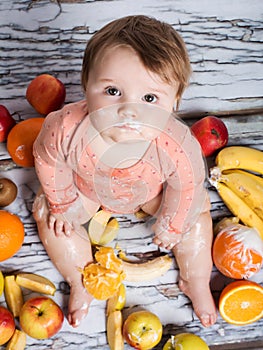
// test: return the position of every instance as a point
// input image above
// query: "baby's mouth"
(128, 126)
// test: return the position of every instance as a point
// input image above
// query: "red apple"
(142, 330)
(212, 134)
(7, 325)
(6, 123)
(41, 318)
(46, 93)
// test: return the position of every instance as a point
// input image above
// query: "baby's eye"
(150, 98)
(113, 91)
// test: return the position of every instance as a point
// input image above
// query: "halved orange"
(241, 302)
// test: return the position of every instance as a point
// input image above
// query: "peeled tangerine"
(185, 341)
(238, 251)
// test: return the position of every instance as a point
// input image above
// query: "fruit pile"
(142, 329)
(238, 247)
(39, 317)
(46, 94)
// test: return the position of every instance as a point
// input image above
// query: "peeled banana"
(240, 157)
(137, 272)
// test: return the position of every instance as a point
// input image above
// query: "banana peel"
(13, 295)
(114, 330)
(102, 228)
(36, 283)
(17, 341)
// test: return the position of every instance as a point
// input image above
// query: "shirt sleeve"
(185, 172)
(51, 150)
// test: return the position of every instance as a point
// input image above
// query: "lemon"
(185, 341)
(1, 283)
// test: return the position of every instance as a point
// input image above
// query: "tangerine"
(20, 141)
(238, 251)
(11, 234)
(103, 278)
(241, 302)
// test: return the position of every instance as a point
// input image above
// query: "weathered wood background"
(224, 39)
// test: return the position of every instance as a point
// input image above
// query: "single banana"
(247, 187)
(239, 208)
(240, 157)
(138, 272)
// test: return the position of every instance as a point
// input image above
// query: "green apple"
(41, 317)
(7, 325)
(185, 341)
(142, 330)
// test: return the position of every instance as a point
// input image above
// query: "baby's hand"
(60, 225)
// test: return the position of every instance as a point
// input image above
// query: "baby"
(123, 149)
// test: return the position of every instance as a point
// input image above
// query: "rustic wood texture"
(224, 39)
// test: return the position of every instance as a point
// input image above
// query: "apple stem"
(39, 311)
(214, 132)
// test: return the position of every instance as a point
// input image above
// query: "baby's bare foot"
(203, 303)
(78, 306)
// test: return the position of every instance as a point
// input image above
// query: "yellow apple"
(7, 325)
(185, 341)
(46, 93)
(142, 330)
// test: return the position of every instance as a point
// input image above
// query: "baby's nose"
(127, 112)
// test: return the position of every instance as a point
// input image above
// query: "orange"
(103, 278)
(238, 251)
(20, 141)
(11, 234)
(241, 302)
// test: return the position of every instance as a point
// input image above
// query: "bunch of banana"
(237, 177)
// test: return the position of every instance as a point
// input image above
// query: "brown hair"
(159, 46)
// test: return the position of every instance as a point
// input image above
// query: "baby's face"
(120, 78)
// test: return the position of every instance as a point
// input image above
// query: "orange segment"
(241, 302)
(11, 234)
(103, 278)
(106, 257)
(20, 141)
